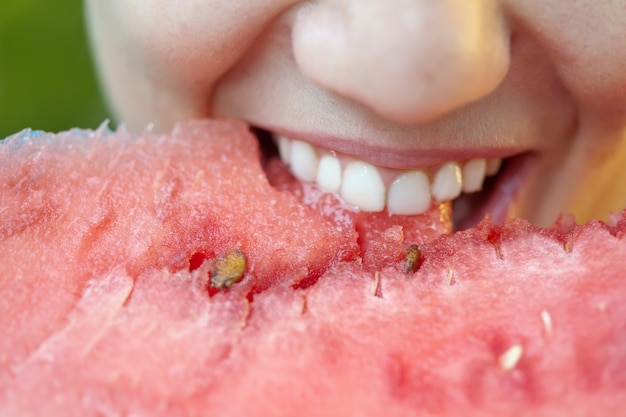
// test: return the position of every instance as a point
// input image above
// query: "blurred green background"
(47, 80)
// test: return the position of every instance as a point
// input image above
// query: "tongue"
(383, 238)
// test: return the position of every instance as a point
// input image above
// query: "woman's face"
(418, 99)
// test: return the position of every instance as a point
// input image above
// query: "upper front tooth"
(474, 175)
(329, 173)
(409, 193)
(363, 186)
(303, 160)
(448, 182)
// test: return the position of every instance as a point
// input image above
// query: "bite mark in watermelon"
(107, 241)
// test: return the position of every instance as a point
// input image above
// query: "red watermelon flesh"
(101, 314)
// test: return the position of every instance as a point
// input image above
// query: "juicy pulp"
(107, 240)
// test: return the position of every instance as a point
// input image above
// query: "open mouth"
(475, 187)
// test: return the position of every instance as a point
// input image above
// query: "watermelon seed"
(450, 277)
(509, 359)
(412, 259)
(494, 238)
(305, 305)
(546, 319)
(228, 269)
(378, 291)
(568, 246)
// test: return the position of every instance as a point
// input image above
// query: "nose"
(409, 60)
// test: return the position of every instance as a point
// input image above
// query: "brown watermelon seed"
(378, 291)
(228, 269)
(412, 259)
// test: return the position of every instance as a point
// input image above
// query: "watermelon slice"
(108, 243)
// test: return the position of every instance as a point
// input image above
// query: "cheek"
(159, 60)
(595, 75)
(586, 40)
(191, 45)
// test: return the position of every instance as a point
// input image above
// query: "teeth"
(329, 173)
(362, 186)
(303, 160)
(402, 192)
(474, 175)
(284, 149)
(409, 193)
(493, 166)
(448, 182)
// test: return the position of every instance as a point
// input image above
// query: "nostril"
(410, 61)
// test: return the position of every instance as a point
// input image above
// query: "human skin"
(400, 83)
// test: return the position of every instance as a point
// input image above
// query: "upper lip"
(395, 158)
